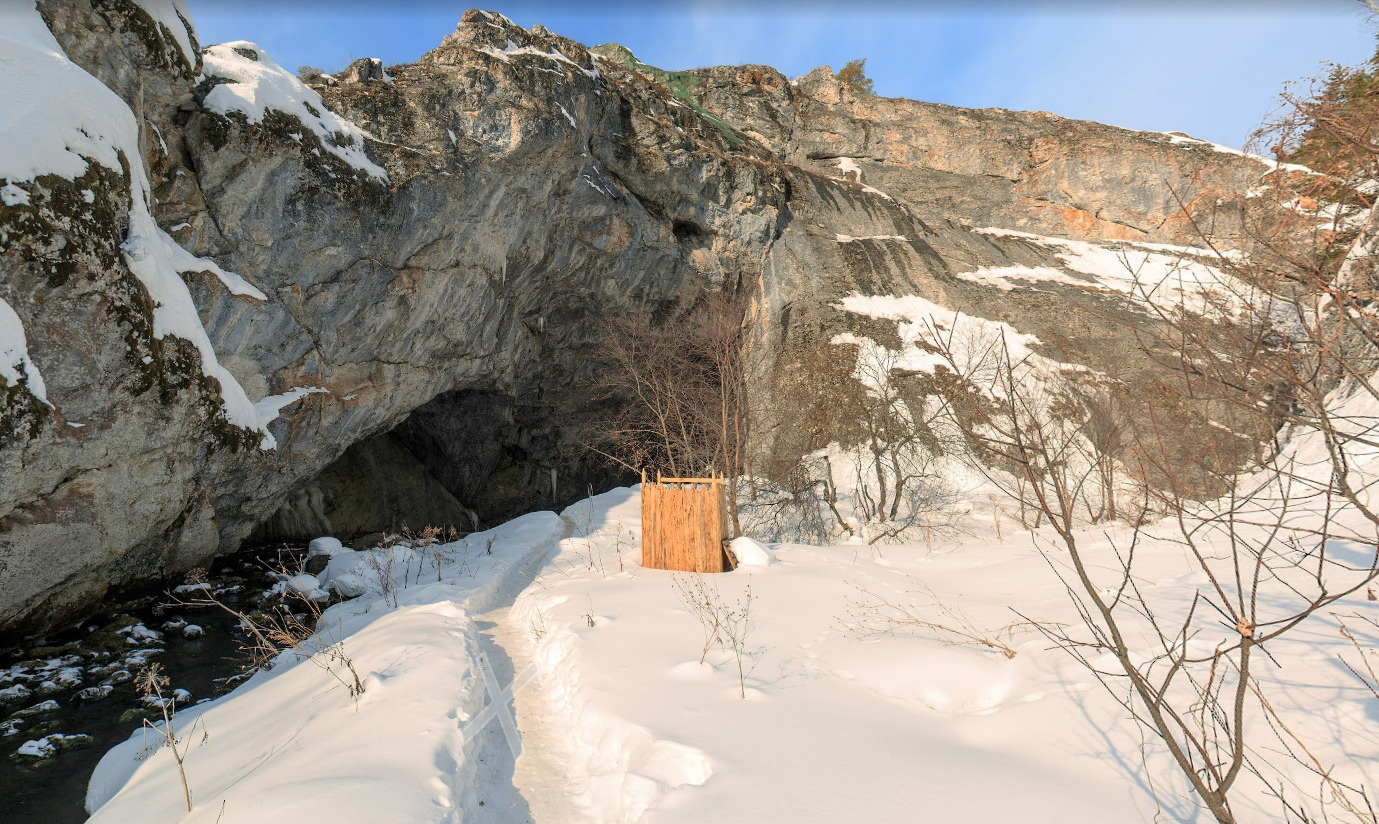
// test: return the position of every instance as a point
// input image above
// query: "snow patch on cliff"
(848, 166)
(1158, 273)
(269, 408)
(1008, 278)
(1273, 165)
(38, 136)
(257, 85)
(12, 195)
(851, 239)
(174, 16)
(511, 49)
(15, 365)
(919, 320)
(93, 125)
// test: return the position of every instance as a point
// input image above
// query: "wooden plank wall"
(684, 524)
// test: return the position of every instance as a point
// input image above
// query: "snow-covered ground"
(621, 722)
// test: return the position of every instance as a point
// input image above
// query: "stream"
(67, 698)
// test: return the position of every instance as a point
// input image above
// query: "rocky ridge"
(450, 247)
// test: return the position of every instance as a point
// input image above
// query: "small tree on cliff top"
(854, 76)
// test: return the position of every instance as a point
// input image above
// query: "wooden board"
(684, 524)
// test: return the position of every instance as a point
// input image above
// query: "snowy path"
(535, 788)
(428, 632)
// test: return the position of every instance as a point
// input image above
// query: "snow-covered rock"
(38, 748)
(15, 693)
(751, 553)
(96, 693)
(303, 585)
(249, 82)
(323, 546)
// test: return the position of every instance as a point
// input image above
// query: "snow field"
(833, 727)
(911, 725)
(849, 714)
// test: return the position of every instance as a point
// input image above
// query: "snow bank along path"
(291, 745)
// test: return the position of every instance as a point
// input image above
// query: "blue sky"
(1211, 69)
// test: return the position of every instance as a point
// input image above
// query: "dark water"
(92, 658)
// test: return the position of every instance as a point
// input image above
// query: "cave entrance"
(468, 459)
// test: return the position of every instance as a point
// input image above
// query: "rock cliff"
(411, 265)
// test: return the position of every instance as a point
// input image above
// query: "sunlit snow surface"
(834, 727)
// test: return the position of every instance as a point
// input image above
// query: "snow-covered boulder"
(303, 586)
(751, 553)
(323, 546)
(319, 552)
(345, 573)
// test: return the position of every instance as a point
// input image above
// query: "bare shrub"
(271, 632)
(700, 596)
(724, 625)
(888, 483)
(1263, 551)
(871, 615)
(676, 394)
(736, 626)
(151, 682)
(388, 572)
(793, 508)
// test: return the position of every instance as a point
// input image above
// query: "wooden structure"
(684, 524)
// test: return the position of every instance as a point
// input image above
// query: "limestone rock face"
(532, 187)
(1029, 171)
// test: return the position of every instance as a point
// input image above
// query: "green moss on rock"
(159, 44)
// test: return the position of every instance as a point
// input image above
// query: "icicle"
(552, 482)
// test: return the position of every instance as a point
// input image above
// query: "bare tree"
(1106, 429)
(677, 394)
(272, 631)
(879, 415)
(1264, 551)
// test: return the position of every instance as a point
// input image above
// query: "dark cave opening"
(687, 230)
(467, 459)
